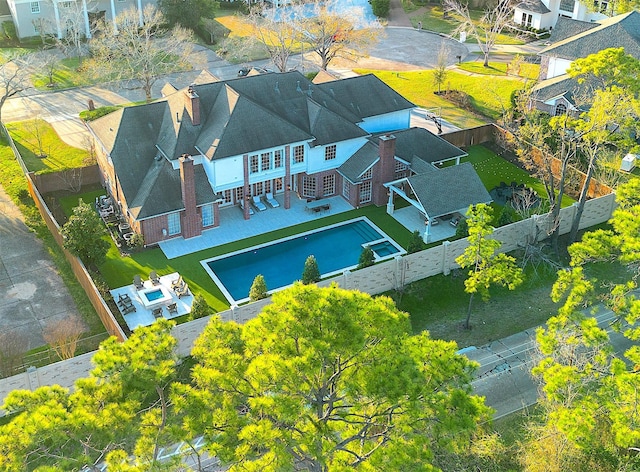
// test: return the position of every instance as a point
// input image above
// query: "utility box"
(628, 162)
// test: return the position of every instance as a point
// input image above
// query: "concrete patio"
(143, 316)
(233, 226)
(411, 218)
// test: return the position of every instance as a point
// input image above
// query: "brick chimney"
(190, 221)
(192, 104)
(385, 169)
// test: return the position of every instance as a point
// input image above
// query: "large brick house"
(556, 92)
(173, 164)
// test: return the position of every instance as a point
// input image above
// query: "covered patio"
(140, 310)
(438, 198)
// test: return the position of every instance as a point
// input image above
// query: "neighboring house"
(544, 14)
(173, 164)
(556, 93)
(57, 17)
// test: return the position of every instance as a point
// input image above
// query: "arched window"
(561, 109)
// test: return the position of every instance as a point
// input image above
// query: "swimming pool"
(336, 248)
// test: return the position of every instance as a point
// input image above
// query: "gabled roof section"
(450, 189)
(329, 127)
(366, 96)
(534, 6)
(422, 144)
(356, 165)
(160, 191)
(131, 134)
(237, 125)
(619, 31)
(568, 27)
(562, 86)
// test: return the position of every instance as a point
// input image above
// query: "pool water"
(154, 295)
(384, 249)
(281, 263)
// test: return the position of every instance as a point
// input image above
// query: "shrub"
(258, 289)
(311, 273)
(90, 115)
(507, 216)
(380, 8)
(462, 230)
(200, 308)
(367, 258)
(416, 243)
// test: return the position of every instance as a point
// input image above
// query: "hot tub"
(154, 296)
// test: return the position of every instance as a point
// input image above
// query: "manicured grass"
(489, 95)
(527, 71)
(14, 183)
(34, 137)
(433, 20)
(493, 169)
(66, 75)
(119, 271)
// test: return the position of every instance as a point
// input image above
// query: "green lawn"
(527, 71)
(66, 75)
(119, 271)
(433, 20)
(489, 95)
(493, 169)
(36, 137)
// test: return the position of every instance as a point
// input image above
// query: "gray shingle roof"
(366, 95)
(448, 190)
(567, 27)
(619, 31)
(422, 144)
(535, 6)
(357, 164)
(237, 116)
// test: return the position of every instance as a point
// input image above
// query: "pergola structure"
(439, 192)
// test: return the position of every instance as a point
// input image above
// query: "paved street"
(504, 376)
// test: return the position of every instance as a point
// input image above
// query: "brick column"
(287, 177)
(191, 224)
(245, 186)
(385, 169)
(216, 214)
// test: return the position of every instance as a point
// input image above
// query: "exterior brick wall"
(152, 229)
(544, 67)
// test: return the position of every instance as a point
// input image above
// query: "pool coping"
(233, 302)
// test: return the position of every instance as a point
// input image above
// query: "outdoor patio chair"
(137, 282)
(258, 203)
(153, 276)
(128, 309)
(251, 212)
(271, 201)
(179, 282)
(173, 308)
(157, 312)
(182, 291)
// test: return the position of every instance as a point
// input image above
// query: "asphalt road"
(504, 376)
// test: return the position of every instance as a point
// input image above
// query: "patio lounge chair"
(153, 276)
(127, 309)
(251, 212)
(124, 298)
(182, 291)
(173, 309)
(271, 201)
(179, 282)
(157, 312)
(258, 203)
(137, 282)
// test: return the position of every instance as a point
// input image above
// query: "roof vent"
(310, 91)
(298, 89)
(276, 87)
(158, 157)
